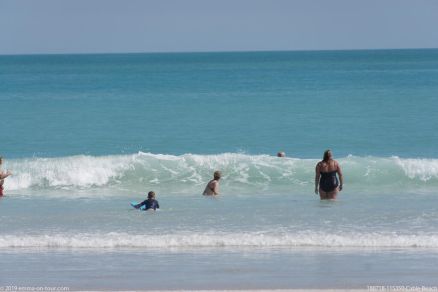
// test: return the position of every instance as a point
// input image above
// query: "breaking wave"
(187, 173)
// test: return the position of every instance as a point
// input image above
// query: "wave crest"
(189, 172)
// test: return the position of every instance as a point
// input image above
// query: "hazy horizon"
(218, 52)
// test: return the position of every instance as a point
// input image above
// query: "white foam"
(78, 171)
(423, 169)
(302, 239)
(186, 173)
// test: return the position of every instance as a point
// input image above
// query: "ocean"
(84, 135)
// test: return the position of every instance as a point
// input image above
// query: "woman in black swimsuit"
(326, 179)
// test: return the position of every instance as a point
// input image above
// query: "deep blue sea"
(86, 134)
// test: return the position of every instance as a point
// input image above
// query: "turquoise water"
(87, 134)
(378, 103)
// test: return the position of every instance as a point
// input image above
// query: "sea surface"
(84, 135)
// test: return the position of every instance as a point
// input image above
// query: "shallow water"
(87, 134)
(227, 269)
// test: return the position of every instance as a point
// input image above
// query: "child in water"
(150, 203)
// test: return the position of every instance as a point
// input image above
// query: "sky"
(121, 26)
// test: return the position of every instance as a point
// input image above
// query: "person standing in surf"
(326, 181)
(212, 187)
(3, 175)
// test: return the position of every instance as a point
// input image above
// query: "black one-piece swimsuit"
(329, 181)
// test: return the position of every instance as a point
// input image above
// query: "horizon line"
(216, 52)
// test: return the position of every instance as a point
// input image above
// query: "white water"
(301, 239)
(188, 173)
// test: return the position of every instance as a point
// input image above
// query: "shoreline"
(222, 270)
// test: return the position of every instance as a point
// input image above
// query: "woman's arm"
(317, 175)
(341, 177)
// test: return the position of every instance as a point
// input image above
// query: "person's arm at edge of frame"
(4, 175)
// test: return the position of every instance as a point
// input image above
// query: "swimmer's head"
(327, 155)
(151, 195)
(217, 175)
(1, 160)
(281, 154)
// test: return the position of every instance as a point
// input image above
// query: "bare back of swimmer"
(212, 188)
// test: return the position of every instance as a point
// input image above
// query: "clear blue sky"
(90, 26)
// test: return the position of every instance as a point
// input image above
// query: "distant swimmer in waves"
(326, 179)
(3, 175)
(150, 203)
(281, 154)
(212, 187)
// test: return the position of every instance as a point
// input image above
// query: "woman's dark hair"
(327, 155)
